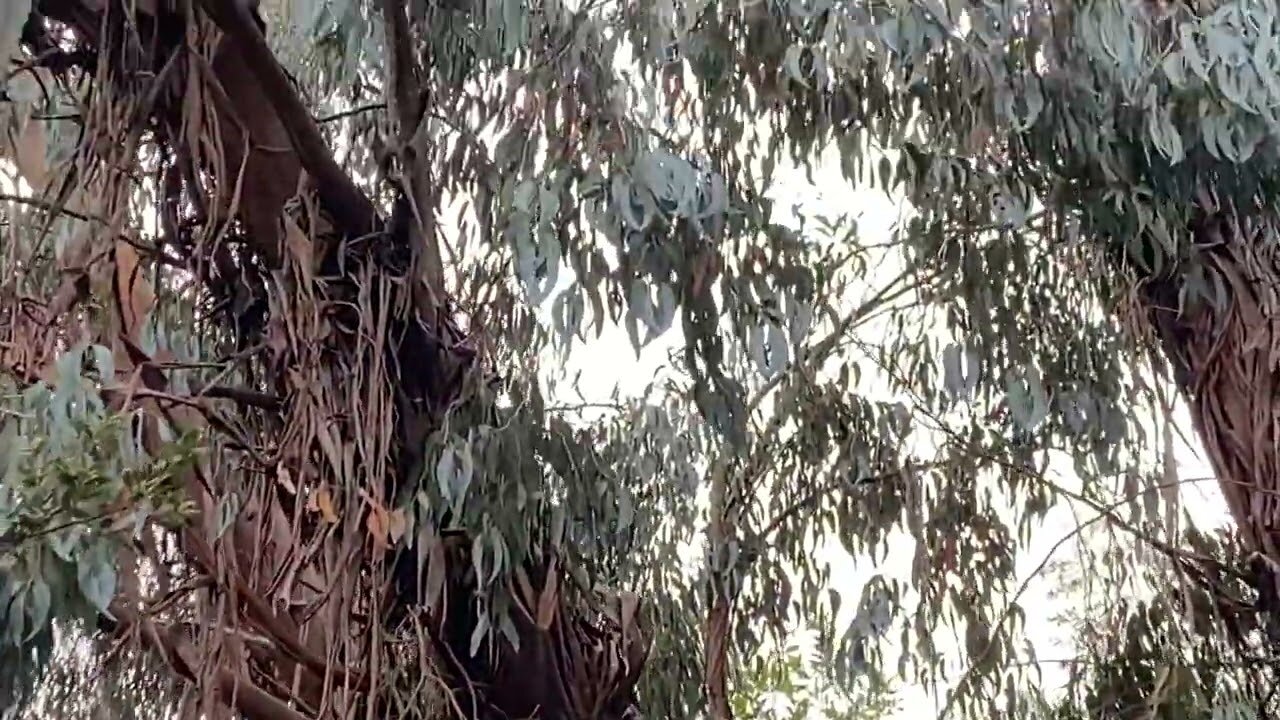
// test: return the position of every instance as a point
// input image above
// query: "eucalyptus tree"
(283, 411)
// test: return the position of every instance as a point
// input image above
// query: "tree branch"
(349, 113)
(354, 212)
(244, 396)
(402, 71)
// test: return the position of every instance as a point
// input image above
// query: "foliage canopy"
(284, 353)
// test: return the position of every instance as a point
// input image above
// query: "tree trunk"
(353, 373)
(1225, 358)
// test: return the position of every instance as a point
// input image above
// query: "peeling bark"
(1226, 361)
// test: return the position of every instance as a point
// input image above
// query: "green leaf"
(626, 511)
(96, 573)
(38, 602)
(953, 370)
(778, 351)
(1028, 404)
(479, 633)
(446, 473)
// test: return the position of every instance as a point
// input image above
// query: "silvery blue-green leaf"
(626, 511)
(973, 370)
(1231, 83)
(1264, 52)
(463, 475)
(664, 312)
(791, 63)
(1191, 53)
(446, 473)
(548, 203)
(567, 312)
(550, 256)
(151, 333)
(624, 203)
(523, 195)
(779, 351)
(799, 319)
(640, 303)
(1028, 404)
(632, 326)
(65, 542)
(1174, 66)
(1234, 711)
(228, 509)
(508, 628)
(499, 554)
(717, 196)
(12, 449)
(17, 616)
(1226, 47)
(756, 348)
(953, 369)
(1074, 411)
(165, 430)
(24, 88)
(478, 635)
(68, 367)
(96, 573)
(39, 598)
(1033, 100)
(1010, 210)
(478, 555)
(526, 253)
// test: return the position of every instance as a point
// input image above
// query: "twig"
(244, 396)
(348, 113)
(50, 207)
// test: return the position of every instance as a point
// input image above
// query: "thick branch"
(402, 71)
(342, 199)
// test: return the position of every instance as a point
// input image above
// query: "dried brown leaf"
(30, 153)
(396, 525)
(324, 505)
(378, 525)
(136, 297)
(550, 597)
(526, 588)
(299, 246)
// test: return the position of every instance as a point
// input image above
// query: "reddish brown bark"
(1226, 360)
(249, 142)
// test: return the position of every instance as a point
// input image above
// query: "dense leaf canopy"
(235, 392)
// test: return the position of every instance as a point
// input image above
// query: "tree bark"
(1226, 359)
